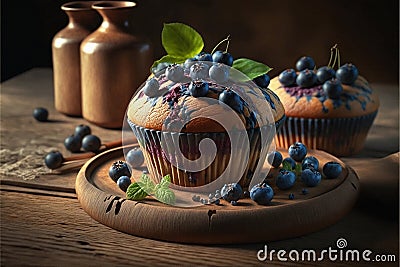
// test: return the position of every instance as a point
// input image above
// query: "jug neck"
(115, 14)
(81, 14)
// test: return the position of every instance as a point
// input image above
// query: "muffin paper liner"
(338, 136)
(167, 161)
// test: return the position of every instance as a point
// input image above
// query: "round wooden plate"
(247, 222)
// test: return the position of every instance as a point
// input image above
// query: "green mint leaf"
(286, 166)
(135, 192)
(165, 195)
(250, 68)
(165, 181)
(181, 40)
(298, 169)
(168, 59)
(146, 184)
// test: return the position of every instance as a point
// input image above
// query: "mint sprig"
(288, 167)
(146, 187)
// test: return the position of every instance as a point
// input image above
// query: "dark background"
(276, 33)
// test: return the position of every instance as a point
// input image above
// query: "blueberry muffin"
(188, 103)
(325, 109)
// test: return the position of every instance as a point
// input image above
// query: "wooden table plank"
(43, 230)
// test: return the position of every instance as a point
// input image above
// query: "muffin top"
(355, 100)
(161, 102)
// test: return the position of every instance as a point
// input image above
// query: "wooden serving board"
(247, 222)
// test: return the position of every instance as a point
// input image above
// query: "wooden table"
(43, 224)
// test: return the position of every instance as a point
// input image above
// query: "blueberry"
(199, 71)
(332, 169)
(217, 201)
(82, 130)
(310, 162)
(123, 182)
(333, 88)
(262, 81)
(310, 177)
(285, 179)
(160, 68)
(73, 143)
(305, 63)
(231, 192)
(53, 160)
(198, 88)
(219, 73)
(262, 194)
(290, 162)
(347, 73)
(40, 114)
(275, 159)
(174, 73)
(304, 191)
(189, 62)
(234, 203)
(91, 143)
(135, 157)
(196, 198)
(222, 57)
(203, 56)
(297, 151)
(306, 78)
(203, 201)
(291, 196)
(287, 77)
(118, 169)
(232, 99)
(151, 88)
(325, 73)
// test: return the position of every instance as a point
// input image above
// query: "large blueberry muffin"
(186, 101)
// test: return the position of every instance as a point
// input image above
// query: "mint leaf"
(165, 195)
(181, 40)
(298, 169)
(168, 59)
(165, 181)
(135, 192)
(250, 68)
(286, 166)
(146, 184)
(162, 191)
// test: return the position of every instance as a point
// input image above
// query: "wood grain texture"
(214, 224)
(39, 230)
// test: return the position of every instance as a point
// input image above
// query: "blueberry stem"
(227, 39)
(336, 58)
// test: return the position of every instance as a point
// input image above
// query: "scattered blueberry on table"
(40, 114)
(73, 143)
(285, 179)
(91, 143)
(231, 192)
(82, 130)
(53, 160)
(311, 177)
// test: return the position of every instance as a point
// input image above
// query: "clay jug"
(114, 62)
(66, 56)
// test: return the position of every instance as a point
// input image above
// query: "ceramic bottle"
(114, 62)
(66, 55)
